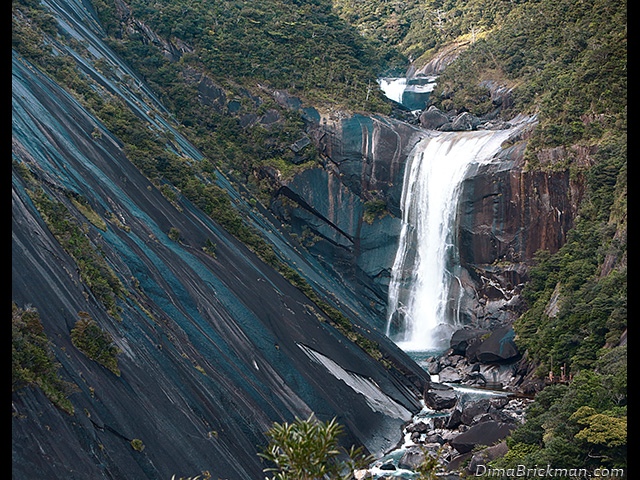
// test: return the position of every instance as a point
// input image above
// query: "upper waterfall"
(412, 93)
(422, 313)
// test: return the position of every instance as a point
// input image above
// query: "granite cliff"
(348, 212)
(213, 344)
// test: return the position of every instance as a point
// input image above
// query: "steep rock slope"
(213, 349)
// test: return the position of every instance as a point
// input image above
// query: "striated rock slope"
(213, 349)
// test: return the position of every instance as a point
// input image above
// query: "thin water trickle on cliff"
(422, 311)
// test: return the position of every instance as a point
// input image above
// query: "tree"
(309, 450)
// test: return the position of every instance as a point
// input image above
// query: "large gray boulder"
(463, 338)
(499, 347)
(440, 397)
(485, 433)
(433, 118)
(486, 455)
(412, 458)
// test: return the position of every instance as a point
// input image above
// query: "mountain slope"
(214, 345)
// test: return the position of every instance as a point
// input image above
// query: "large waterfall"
(422, 313)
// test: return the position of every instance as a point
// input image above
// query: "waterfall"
(393, 88)
(422, 315)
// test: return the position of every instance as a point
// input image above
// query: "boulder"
(450, 375)
(432, 118)
(465, 122)
(486, 455)
(419, 427)
(499, 347)
(440, 397)
(411, 459)
(362, 474)
(455, 419)
(485, 433)
(473, 409)
(462, 123)
(463, 338)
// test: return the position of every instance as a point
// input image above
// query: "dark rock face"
(484, 433)
(411, 459)
(499, 347)
(365, 158)
(486, 455)
(465, 337)
(440, 397)
(509, 214)
(506, 214)
(433, 118)
(213, 349)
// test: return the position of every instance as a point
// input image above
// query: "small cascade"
(412, 93)
(422, 312)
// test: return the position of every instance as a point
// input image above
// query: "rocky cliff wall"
(346, 212)
(506, 213)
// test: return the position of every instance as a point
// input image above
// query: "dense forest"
(564, 61)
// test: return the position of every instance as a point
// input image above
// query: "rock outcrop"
(214, 348)
(328, 207)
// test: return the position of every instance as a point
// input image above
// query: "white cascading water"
(393, 88)
(421, 316)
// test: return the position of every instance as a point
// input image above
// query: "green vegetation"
(309, 450)
(83, 206)
(580, 425)
(33, 361)
(137, 444)
(374, 209)
(592, 311)
(565, 61)
(174, 234)
(95, 343)
(73, 237)
(210, 248)
(284, 44)
(417, 29)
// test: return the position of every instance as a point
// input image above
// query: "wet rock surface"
(210, 345)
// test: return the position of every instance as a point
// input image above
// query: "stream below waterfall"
(465, 395)
(424, 298)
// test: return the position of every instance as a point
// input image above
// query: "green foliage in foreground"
(309, 450)
(33, 361)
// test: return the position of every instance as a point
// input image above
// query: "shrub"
(95, 343)
(137, 444)
(174, 234)
(309, 450)
(32, 361)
